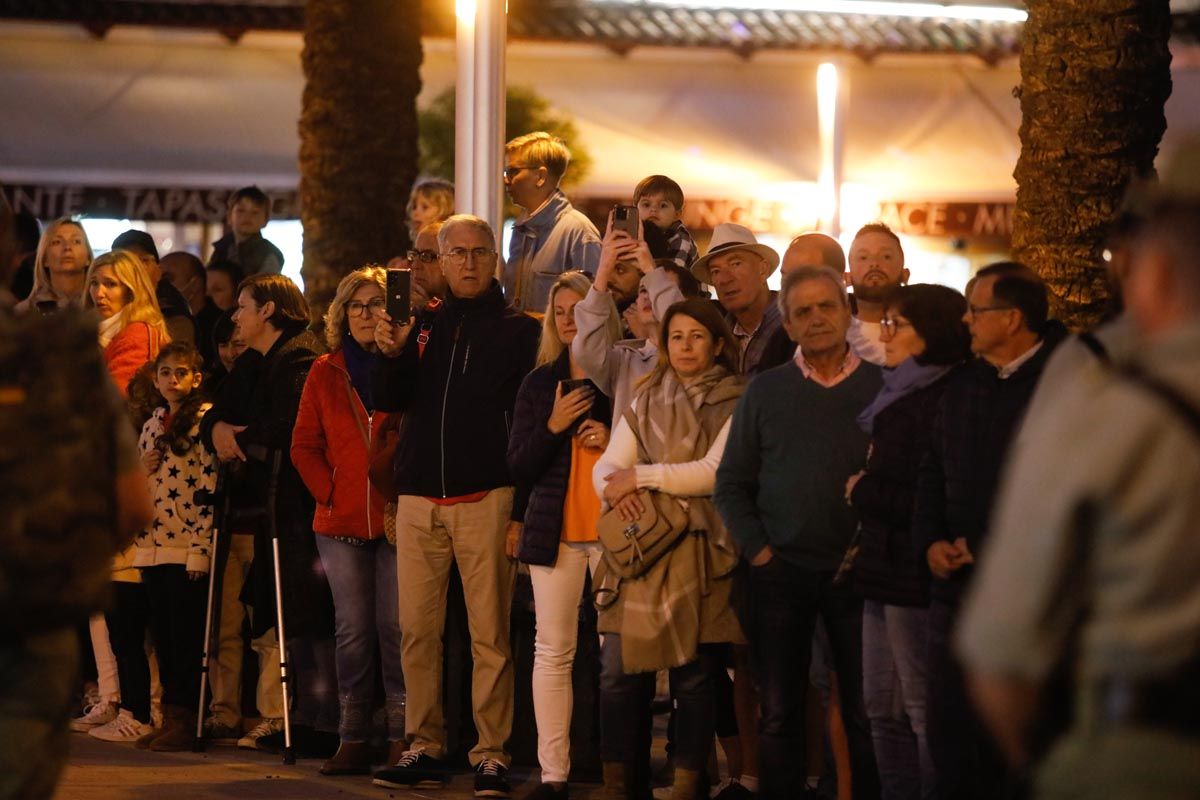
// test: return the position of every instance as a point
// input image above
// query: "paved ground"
(105, 771)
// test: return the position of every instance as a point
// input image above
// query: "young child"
(244, 245)
(660, 200)
(173, 553)
(431, 201)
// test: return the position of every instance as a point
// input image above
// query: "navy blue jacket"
(540, 461)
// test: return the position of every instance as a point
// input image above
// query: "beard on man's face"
(880, 293)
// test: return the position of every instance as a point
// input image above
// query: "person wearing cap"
(737, 266)
(1097, 538)
(794, 442)
(172, 303)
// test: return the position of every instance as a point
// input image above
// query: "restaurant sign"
(144, 203)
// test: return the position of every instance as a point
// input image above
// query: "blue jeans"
(366, 610)
(894, 651)
(786, 601)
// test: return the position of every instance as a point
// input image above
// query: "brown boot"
(615, 785)
(169, 714)
(351, 758)
(395, 750)
(179, 735)
(686, 785)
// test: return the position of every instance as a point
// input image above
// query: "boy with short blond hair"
(660, 200)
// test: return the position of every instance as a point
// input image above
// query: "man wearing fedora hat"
(737, 266)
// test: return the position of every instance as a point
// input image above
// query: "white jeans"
(557, 593)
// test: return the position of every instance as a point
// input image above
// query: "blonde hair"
(142, 305)
(41, 274)
(551, 346)
(541, 149)
(438, 193)
(336, 325)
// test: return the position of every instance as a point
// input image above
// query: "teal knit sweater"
(782, 479)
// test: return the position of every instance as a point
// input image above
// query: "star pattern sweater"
(181, 532)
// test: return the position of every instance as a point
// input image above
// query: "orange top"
(581, 511)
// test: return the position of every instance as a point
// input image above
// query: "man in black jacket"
(977, 419)
(456, 381)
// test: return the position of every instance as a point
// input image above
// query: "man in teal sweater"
(780, 489)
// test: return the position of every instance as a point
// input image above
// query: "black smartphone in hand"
(625, 218)
(399, 292)
(571, 385)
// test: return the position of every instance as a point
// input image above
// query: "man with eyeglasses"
(423, 259)
(455, 378)
(1012, 336)
(551, 237)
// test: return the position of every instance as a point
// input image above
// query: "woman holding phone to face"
(560, 429)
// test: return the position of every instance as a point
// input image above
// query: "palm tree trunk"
(1095, 75)
(358, 134)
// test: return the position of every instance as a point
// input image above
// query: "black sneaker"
(491, 779)
(414, 770)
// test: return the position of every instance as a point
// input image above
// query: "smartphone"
(399, 288)
(571, 385)
(625, 218)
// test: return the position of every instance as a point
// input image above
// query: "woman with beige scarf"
(675, 614)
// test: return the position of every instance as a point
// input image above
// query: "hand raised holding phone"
(390, 337)
(569, 405)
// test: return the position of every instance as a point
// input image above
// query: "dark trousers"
(177, 607)
(625, 713)
(127, 623)
(967, 763)
(785, 602)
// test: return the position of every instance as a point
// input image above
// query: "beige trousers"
(226, 669)
(429, 538)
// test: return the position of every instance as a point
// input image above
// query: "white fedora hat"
(727, 237)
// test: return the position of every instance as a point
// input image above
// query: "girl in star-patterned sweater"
(173, 552)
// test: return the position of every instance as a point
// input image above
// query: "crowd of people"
(845, 525)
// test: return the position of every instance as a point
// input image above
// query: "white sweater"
(181, 532)
(687, 479)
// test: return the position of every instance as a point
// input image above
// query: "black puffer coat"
(540, 461)
(889, 567)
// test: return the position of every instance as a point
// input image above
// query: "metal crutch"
(289, 756)
(219, 500)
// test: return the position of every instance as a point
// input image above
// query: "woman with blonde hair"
(63, 257)
(132, 330)
(560, 428)
(335, 426)
(431, 200)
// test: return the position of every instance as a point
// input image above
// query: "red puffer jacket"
(330, 452)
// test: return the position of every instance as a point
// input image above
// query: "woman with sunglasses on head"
(924, 340)
(331, 442)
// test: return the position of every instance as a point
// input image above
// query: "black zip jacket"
(458, 396)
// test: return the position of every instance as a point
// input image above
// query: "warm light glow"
(872, 7)
(465, 10)
(827, 102)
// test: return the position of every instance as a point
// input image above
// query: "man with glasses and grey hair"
(454, 373)
(552, 236)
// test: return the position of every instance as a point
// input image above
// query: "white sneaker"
(95, 715)
(268, 726)
(122, 729)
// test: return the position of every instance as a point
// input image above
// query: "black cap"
(138, 241)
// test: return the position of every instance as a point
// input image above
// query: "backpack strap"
(1097, 348)
(1184, 407)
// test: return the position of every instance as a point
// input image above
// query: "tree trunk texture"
(1095, 75)
(358, 135)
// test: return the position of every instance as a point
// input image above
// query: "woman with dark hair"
(669, 442)
(924, 339)
(331, 445)
(252, 425)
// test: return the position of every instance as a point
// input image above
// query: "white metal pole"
(831, 96)
(479, 109)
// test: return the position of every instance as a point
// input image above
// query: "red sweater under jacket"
(330, 453)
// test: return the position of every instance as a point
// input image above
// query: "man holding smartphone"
(456, 381)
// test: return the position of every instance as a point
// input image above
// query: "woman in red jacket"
(330, 448)
(132, 330)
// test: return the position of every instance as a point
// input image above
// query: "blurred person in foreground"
(1099, 536)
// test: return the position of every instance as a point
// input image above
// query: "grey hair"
(465, 221)
(810, 273)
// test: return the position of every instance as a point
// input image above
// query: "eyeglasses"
(515, 169)
(458, 256)
(424, 256)
(890, 325)
(354, 308)
(977, 310)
